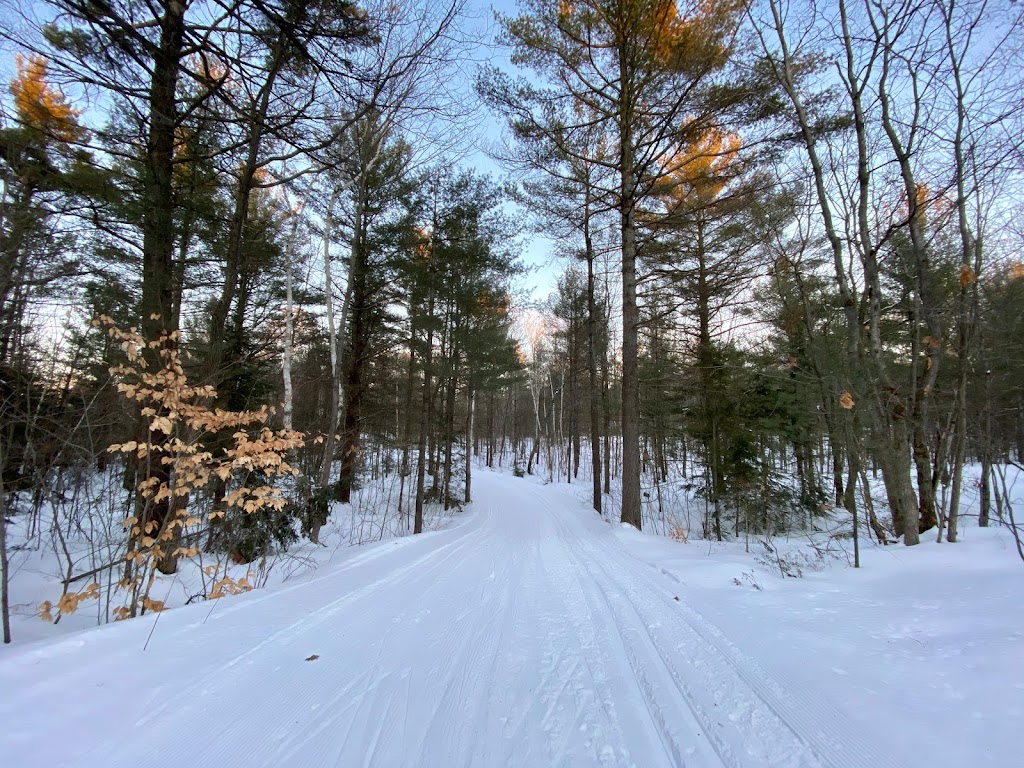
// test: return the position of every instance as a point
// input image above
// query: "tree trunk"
(595, 406)
(449, 431)
(289, 327)
(631, 511)
(985, 506)
(606, 409)
(470, 409)
(158, 231)
(421, 467)
(535, 393)
(255, 123)
(332, 340)
(407, 430)
(5, 566)
(358, 319)
(893, 456)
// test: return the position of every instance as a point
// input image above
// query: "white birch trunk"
(289, 326)
(332, 333)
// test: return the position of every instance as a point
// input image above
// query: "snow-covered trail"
(525, 637)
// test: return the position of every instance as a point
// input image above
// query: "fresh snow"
(533, 633)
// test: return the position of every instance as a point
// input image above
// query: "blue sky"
(537, 250)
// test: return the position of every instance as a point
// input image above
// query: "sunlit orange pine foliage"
(39, 105)
(695, 35)
(701, 171)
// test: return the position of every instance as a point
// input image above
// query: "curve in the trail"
(526, 636)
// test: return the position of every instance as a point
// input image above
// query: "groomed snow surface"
(532, 633)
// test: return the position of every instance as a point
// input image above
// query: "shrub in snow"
(187, 450)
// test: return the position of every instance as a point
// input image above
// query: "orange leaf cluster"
(967, 275)
(678, 533)
(68, 602)
(180, 419)
(39, 105)
(701, 171)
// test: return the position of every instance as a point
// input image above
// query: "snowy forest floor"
(532, 633)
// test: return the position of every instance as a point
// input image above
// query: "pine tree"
(649, 74)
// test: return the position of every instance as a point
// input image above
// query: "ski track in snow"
(527, 636)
